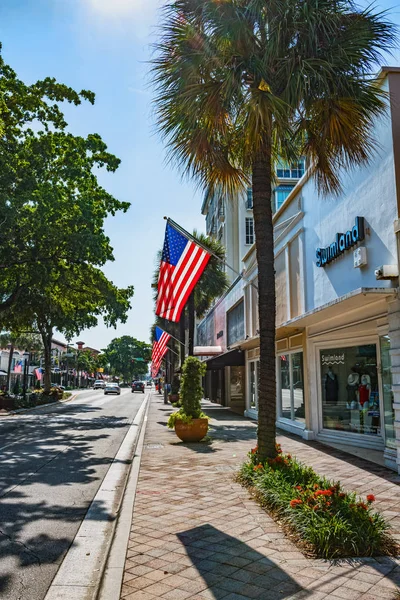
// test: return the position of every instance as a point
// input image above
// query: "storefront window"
(291, 386)
(350, 393)
(387, 392)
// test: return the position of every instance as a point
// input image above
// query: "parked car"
(112, 388)
(99, 384)
(150, 383)
(137, 386)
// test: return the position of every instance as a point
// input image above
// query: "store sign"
(332, 359)
(343, 242)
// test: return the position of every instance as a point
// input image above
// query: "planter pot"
(173, 398)
(191, 432)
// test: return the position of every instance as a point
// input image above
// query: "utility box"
(360, 257)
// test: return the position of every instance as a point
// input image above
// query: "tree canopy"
(128, 357)
(52, 211)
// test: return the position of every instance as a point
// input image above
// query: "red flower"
(254, 450)
(342, 495)
(298, 487)
(278, 448)
(362, 505)
(295, 502)
(289, 456)
(316, 486)
(258, 467)
(323, 493)
(371, 498)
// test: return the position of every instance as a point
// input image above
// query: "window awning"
(232, 358)
(207, 350)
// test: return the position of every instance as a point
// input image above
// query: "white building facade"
(338, 307)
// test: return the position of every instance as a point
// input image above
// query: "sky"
(105, 46)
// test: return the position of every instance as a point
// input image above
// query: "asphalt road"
(52, 462)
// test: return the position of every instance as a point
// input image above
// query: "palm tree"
(210, 286)
(242, 82)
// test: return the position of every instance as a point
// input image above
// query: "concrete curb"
(114, 569)
(80, 573)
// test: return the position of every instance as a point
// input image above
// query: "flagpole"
(170, 349)
(190, 236)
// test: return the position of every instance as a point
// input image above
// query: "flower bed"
(330, 522)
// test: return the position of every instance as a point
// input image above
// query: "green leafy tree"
(243, 82)
(128, 357)
(53, 208)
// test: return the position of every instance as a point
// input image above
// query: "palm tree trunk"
(263, 227)
(10, 357)
(191, 317)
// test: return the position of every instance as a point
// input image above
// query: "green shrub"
(175, 385)
(333, 523)
(191, 392)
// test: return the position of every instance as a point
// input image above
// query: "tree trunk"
(191, 317)
(264, 239)
(10, 357)
(47, 335)
(182, 332)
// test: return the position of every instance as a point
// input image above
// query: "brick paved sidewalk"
(196, 533)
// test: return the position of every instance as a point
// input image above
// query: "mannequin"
(353, 382)
(331, 387)
(364, 389)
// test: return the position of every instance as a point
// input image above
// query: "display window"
(350, 389)
(291, 386)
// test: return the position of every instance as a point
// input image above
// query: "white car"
(99, 384)
(112, 388)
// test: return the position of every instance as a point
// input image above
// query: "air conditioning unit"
(387, 272)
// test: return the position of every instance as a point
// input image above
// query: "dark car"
(137, 386)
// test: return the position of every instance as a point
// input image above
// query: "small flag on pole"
(182, 264)
(160, 344)
(39, 373)
(18, 367)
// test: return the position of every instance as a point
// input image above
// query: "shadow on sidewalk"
(228, 565)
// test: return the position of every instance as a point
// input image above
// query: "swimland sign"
(343, 242)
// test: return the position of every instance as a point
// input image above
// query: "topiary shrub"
(175, 385)
(190, 392)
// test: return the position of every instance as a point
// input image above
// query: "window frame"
(249, 236)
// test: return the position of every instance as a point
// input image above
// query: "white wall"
(368, 192)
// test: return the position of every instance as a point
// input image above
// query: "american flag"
(182, 264)
(18, 367)
(39, 373)
(160, 343)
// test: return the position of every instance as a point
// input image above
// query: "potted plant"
(190, 423)
(175, 385)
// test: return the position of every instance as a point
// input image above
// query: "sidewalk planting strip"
(196, 534)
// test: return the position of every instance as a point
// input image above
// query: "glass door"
(388, 410)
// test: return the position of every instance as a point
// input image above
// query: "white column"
(394, 333)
